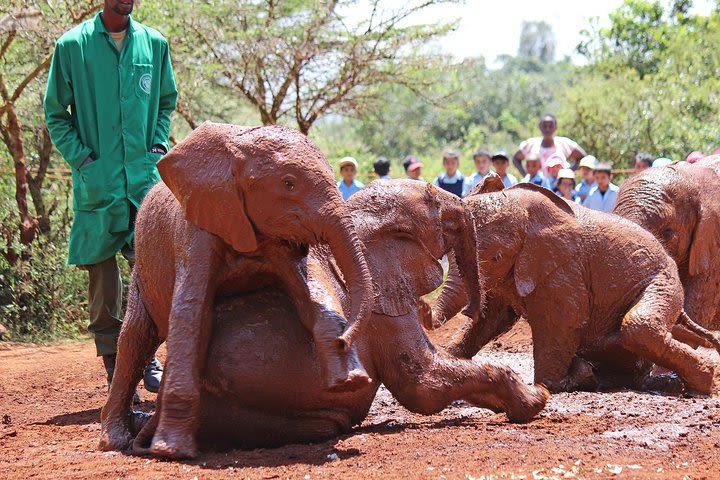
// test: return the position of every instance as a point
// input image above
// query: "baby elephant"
(600, 293)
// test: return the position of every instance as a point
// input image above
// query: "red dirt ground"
(50, 399)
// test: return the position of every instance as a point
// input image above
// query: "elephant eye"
(289, 181)
(668, 234)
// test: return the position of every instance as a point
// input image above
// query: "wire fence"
(66, 174)
(54, 173)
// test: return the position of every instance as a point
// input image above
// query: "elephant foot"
(344, 372)
(581, 376)
(703, 379)
(355, 380)
(174, 446)
(115, 438)
(526, 405)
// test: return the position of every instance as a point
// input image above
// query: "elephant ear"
(201, 172)
(705, 243)
(491, 183)
(550, 241)
(402, 270)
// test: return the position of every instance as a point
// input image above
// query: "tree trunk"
(28, 223)
(44, 150)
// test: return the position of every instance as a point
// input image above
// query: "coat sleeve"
(59, 97)
(168, 100)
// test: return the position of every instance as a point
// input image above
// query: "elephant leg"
(425, 380)
(498, 319)
(342, 371)
(190, 328)
(556, 337)
(702, 299)
(136, 345)
(645, 331)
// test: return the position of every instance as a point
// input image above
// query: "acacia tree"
(28, 29)
(299, 59)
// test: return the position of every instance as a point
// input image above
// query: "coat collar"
(100, 27)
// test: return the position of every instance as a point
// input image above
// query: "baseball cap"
(566, 173)
(695, 156)
(501, 154)
(345, 161)
(661, 162)
(414, 166)
(589, 162)
(410, 159)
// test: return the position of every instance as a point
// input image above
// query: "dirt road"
(50, 399)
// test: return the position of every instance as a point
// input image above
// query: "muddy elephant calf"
(601, 295)
(261, 385)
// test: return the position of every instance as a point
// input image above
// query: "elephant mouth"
(302, 248)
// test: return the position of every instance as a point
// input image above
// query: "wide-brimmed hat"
(347, 161)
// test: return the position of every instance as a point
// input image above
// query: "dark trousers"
(105, 302)
(105, 298)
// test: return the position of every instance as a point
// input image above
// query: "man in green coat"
(109, 97)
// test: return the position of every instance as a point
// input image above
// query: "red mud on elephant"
(253, 375)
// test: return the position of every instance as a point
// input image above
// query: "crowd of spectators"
(548, 161)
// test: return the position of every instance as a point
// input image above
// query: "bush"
(41, 297)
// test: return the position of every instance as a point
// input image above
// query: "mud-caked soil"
(50, 399)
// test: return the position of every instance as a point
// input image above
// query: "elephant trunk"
(452, 297)
(349, 254)
(467, 264)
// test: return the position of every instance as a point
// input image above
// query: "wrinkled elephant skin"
(680, 206)
(261, 384)
(235, 212)
(600, 293)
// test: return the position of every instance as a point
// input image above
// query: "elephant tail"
(702, 332)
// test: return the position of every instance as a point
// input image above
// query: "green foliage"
(648, 96)
(41, 298)
(470, 106)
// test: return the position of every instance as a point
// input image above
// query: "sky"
(492, 28)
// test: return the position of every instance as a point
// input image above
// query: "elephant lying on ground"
(261, 385)
(236, 211)
(600, 293)
(679, 204)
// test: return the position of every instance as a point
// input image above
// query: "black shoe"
(109, 362)
(153, 376)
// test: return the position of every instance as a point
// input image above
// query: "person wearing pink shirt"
(549, 144)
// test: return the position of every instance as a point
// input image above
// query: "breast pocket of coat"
(143, 79)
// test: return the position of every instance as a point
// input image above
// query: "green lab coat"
(119, 107)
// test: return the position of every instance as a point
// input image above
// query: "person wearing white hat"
(603, 196)
(565, 185)
(554, 164)
(587, 169)
(348, 185)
